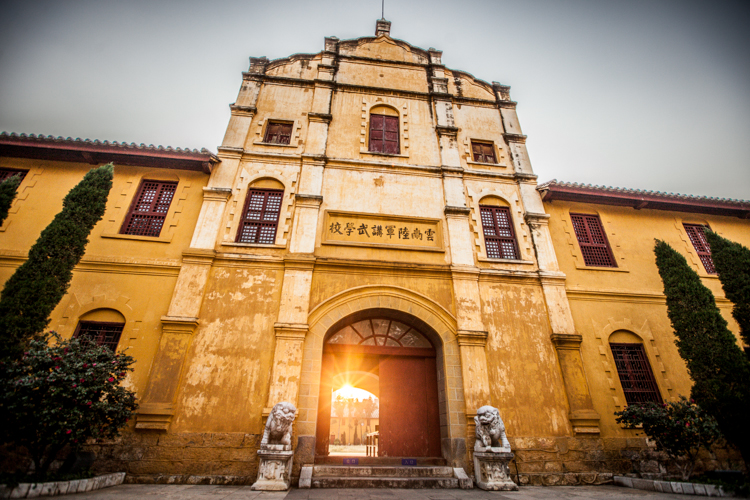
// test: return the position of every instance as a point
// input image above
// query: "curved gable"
(384, 48)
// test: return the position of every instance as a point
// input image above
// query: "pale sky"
(649, 94)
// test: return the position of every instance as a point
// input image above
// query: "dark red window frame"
(593, 240)
(635, 373)
(6, 173)
(499, 236)
(260, 216)
(103, 333)
(483, 152)
(384, 134)
(149, 208)
(278, 133)
(697, 235)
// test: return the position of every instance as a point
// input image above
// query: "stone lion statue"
(278, 432)
(490, 430)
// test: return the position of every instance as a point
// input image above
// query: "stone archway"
(439, 326)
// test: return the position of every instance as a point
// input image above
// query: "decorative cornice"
(566, 341)
(472, 337)
(320, 117)
(216, 193)
(639, 199)
(311, 200)
(243, 110)
(446, 130)
(303, 261)
(200, 256)
(533, 218)
(457, 211)
(518, 138)
(179, 325)
(291, 331)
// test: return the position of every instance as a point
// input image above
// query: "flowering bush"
(680, 429)
(63, 392)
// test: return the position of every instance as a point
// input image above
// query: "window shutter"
(635, 373)
(9, 172)
(278, 133)
(483, 152)
(149, 209)
(106, 334)
(592, 240)
(261, 216)
(698, 238)
(384, 134)
(499, 237)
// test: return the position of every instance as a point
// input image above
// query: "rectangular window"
(698, 238)
(278, 133)
(483, 152)
(10, 172)
(592, 240)
(261, 216)
(499, 237)
(149, 209)
(384, 134)
(107, 334)
(634, 370)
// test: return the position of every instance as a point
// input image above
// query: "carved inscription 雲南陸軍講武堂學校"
(358, 229)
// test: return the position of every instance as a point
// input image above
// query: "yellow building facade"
(370, 217)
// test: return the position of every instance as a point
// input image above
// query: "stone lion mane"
(490, 430)
(278, 429)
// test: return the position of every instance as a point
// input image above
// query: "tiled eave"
(40, 147)
(638, 199)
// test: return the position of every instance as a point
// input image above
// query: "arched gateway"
(408, 330)
(394, 361)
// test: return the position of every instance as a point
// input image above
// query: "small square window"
(593, 240)
(484, 152)
(697, 235)
(278, 133)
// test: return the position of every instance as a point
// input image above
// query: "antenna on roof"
(382, 9)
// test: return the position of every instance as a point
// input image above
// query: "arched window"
(633, 368)
(104, 326)
(384, 130)
(260, 216)
(497, 225)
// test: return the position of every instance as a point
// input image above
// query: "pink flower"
(89, 403)
(75, 385)
(83, 380)
(85, 365)
(93, 364)
(111, 379)
(68, 431)
(57, 368)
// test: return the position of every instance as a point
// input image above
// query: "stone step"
(381, 471)
(336, 460)
(384, 482)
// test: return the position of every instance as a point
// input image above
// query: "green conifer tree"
(33, 291)
(732, 262)
(7, 193)
(718, 367)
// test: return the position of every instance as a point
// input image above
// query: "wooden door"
(409, 415)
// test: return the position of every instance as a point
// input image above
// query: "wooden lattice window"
(260, 216)
(499, 237)
(149, 209)
(483, 152)
(384, 134)
(278, 133)
(592, 240)
(635, 373)
(107, 334)
(10, 172)
(697, 235)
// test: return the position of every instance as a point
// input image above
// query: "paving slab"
(218, 492)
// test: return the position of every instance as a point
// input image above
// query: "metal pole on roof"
(382, 9)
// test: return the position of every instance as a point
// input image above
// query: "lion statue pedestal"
(275, 468)
(492, 452)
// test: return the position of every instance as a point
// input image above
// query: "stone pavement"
(200, 492)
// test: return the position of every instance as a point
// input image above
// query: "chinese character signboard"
(373, 230)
